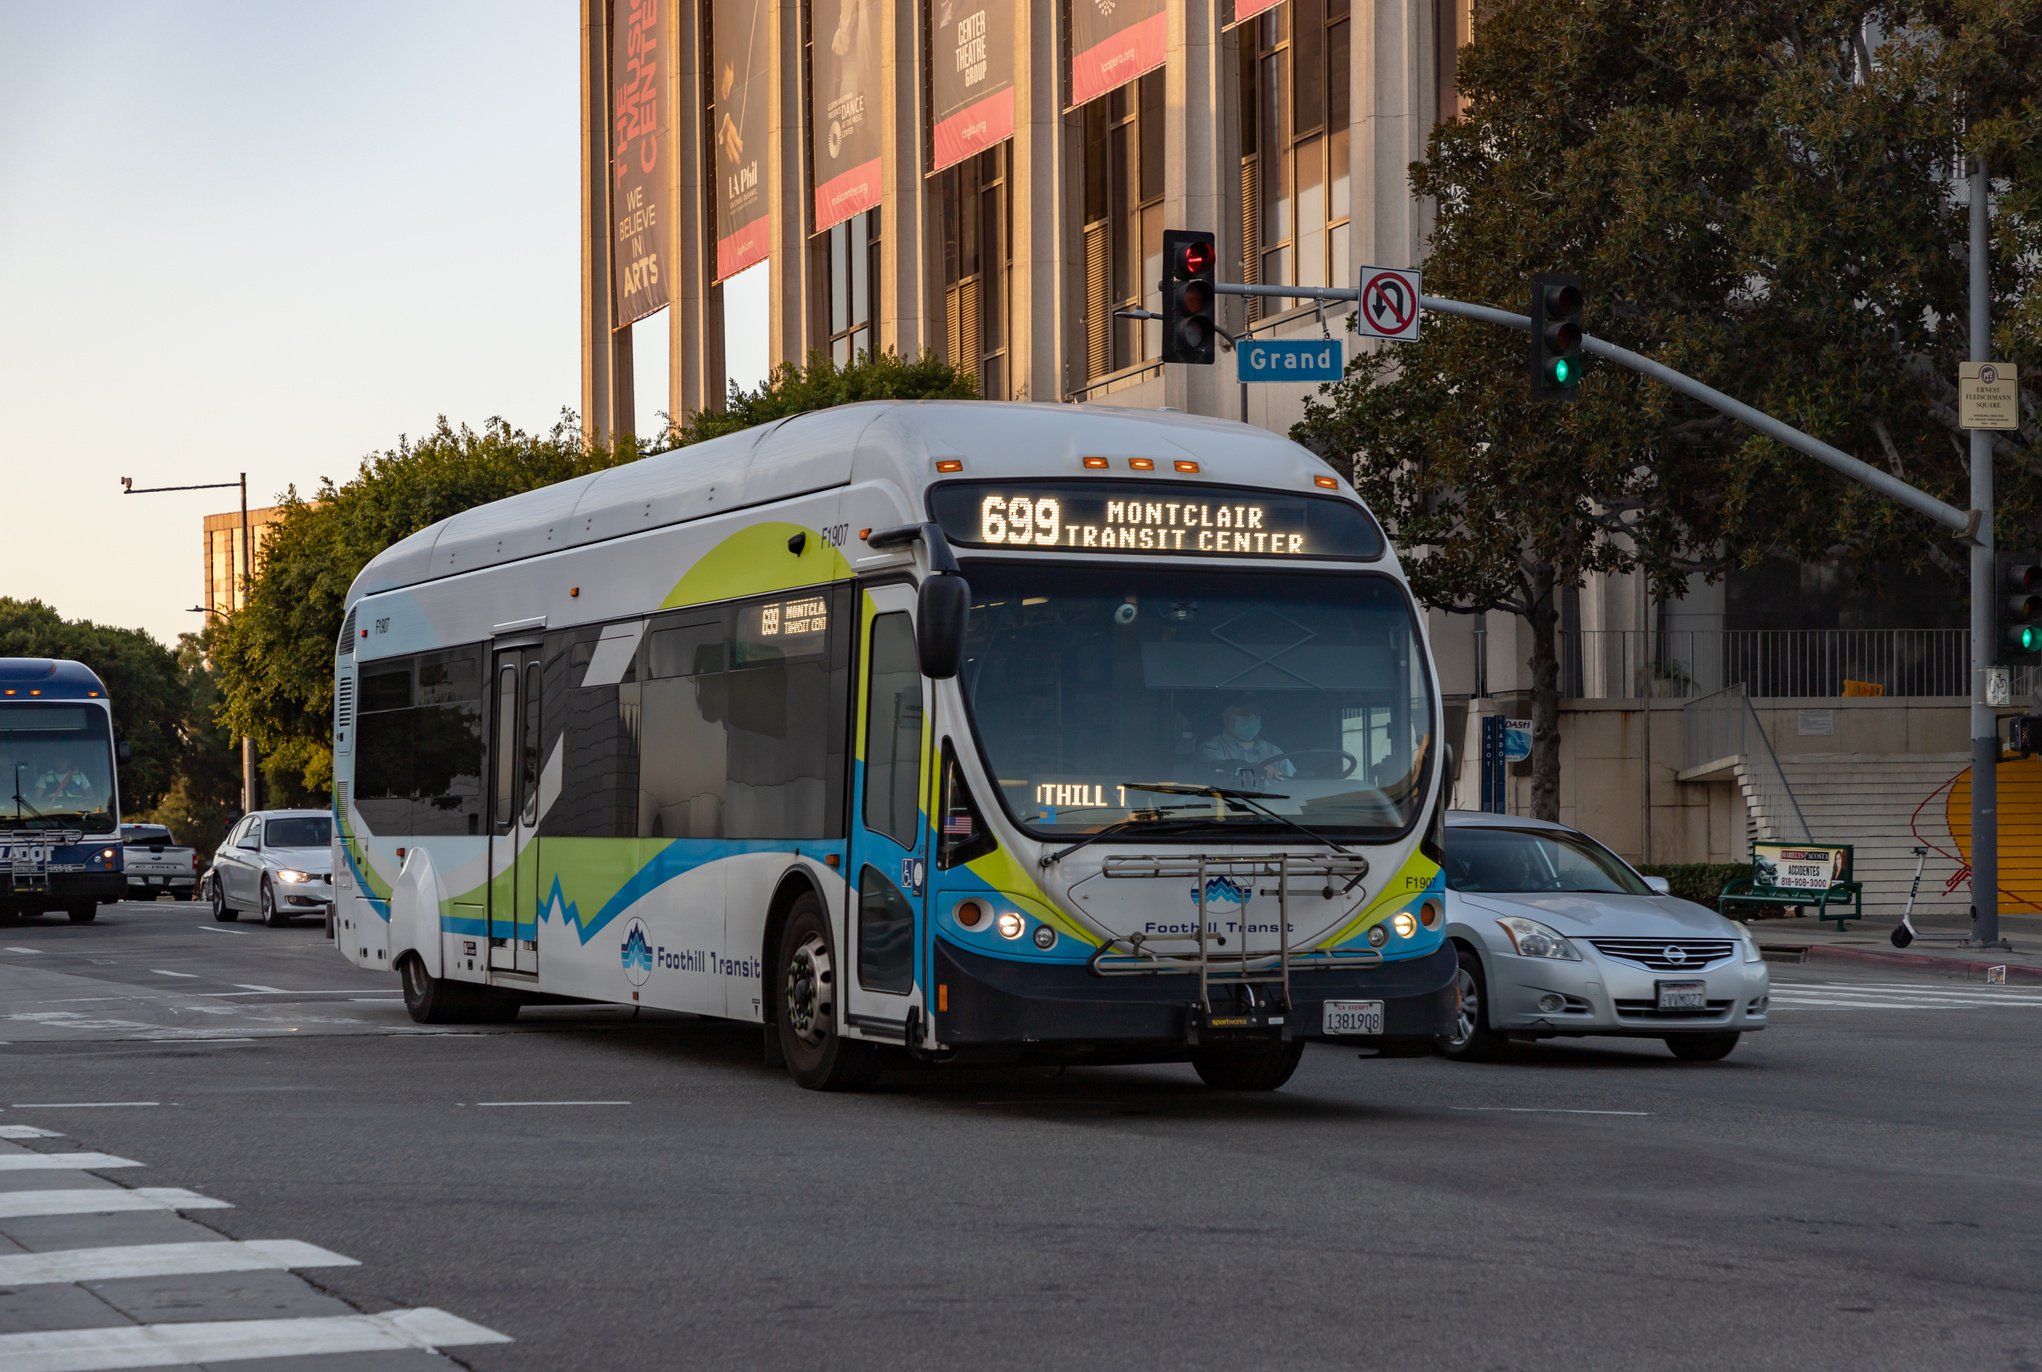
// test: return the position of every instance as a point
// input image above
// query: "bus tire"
(806, 1014)
(1247, 1066)
(83, 913)
(434, 1000)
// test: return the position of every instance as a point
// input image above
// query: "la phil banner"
(1244, 10)
(638, 135)
(971, 85)
(845, 108)
(1113, 42)
(740, 102)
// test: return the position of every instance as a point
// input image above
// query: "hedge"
(1701, 882)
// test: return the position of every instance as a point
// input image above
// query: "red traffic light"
(1196, 258)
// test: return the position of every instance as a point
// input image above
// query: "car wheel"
(223, 912)
(1247, 1066)
(273, 917)
(1702, 1047)
(1472, 1040)
(82, 914)
(818, 1057)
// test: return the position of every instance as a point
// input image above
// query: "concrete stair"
(1869, 800)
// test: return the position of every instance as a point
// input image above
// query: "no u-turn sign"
(1388, 304)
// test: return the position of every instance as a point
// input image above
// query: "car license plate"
(1353, 1017)
(1683, 995)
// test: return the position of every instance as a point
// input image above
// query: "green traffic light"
(1562, 373)
(2029, 637)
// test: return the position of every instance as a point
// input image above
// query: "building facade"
(225, 568)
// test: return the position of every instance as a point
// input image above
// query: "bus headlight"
(1377, 936)
(1012, 926)
(1045, 937)
(1403, 924)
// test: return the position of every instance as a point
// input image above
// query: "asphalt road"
(1860, 1186)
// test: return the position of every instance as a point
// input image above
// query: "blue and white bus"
(952, 729)
(60, 832)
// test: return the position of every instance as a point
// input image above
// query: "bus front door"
(514, 812)
(888, 868)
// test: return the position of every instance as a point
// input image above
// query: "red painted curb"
(2015, 971)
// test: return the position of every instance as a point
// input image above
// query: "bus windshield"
(1307, 686)
(56, 767)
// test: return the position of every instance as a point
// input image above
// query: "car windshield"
(1311, 687)
(56, 767)
(1532, 861)
(298, 831)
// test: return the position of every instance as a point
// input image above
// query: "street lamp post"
(128, 487)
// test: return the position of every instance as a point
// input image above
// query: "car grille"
(1659, 954)
(1647, 1009)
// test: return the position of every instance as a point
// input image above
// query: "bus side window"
(964, 836)
(893, 731)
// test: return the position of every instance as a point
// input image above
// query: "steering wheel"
(1348, 761)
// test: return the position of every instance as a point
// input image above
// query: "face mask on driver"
(1246, 727)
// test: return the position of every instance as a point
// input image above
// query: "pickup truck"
(157, 863)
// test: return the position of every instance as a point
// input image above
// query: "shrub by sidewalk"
(1702, 882)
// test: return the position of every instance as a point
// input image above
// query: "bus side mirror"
(940, 614)
(123, 752)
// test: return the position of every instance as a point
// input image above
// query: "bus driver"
(1238, 746)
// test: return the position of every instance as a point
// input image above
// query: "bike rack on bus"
(29, 862)
(1208, 956)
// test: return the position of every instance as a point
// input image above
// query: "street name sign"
(1290, 359)
(1988, 396)
(1388, 305)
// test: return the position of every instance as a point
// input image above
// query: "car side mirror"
(941, 612)
(123, 752)
(1660, 886)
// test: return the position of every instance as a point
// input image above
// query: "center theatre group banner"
(1113, 42)
(638, 133)
(971, 77)
(844, 107)
(741, 99)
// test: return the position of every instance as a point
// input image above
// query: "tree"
(206, 794)
(792, 390)
(1763, 196)
(141, 679)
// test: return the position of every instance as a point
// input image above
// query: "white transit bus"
(60, 814)
(955, 729)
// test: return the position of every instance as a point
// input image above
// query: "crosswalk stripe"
(27, 1131)
(172, 1345)
(2009, 994)
(103, 1200)
(163, 1260)
(61, 1162)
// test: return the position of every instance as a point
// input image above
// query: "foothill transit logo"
(637, 953)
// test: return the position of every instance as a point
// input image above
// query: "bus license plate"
(1353, 1017)
(1683, 995)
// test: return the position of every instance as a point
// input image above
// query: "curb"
(2016, 971)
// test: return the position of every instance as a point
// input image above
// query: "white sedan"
(1558, 936)
(278, 863)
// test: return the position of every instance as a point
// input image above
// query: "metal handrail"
(1723, 725)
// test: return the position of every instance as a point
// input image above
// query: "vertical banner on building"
(1113, 42)
(740, 95)
(844, 105)
(638, 137)
(971, 76)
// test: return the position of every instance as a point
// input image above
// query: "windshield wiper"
(1147, 819)
(1247, 800)
(20, 802)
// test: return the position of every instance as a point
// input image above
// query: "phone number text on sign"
(1203, 526)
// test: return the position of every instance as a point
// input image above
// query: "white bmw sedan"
(278, 863)
(1558, 936)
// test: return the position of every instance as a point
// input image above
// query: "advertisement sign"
(638, 136)
(1290, 359)
(844, 105)
(740, 101)
(971, 76)
(1244, 10)
(1799, 866)
(1113, 42)
(1517, 734)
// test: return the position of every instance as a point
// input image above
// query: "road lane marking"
(27, 1131)
(104, 1200)
(210, 1341)
(37, 951)
(484, 1104)
(163, 1260)
(1540, 1110)
(265, 990)
(161, 973)
(82, 1104)
(61, 1162)
(216, 929)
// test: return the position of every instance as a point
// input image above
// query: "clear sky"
(273, 237)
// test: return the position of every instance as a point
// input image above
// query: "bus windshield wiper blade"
(1146, 820)
(1247, 800)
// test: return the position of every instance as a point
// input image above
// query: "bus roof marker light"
(573, 592)
(1096, 463)
(1184, 465)
(949, 464)
(1326, 483)
(1142, 464)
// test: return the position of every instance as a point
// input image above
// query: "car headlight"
(294, 876)
(1751, 949)
(1534, 940)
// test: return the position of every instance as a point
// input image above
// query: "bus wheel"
(82, 914)
(1247, 1066)
(817, 1055)
(435, 1000)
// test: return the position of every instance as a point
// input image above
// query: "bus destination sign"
(1154, 517)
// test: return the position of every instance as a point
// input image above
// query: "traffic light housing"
(1189, 330)
(1556, 336)
(2018, 602)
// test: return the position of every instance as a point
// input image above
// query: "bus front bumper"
(61, 889)
(994, 1002)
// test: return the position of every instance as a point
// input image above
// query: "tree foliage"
(1763, 196)
(205, 796)
(141, 677)
(792, 390)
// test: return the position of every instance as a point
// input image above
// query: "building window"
(1296, 196)
(1452, 28)
(845, 261)
(1121, 171)
(974, 219)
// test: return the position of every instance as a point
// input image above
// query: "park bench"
(1800, 875)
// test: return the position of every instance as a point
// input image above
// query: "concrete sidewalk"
(1869, 942)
